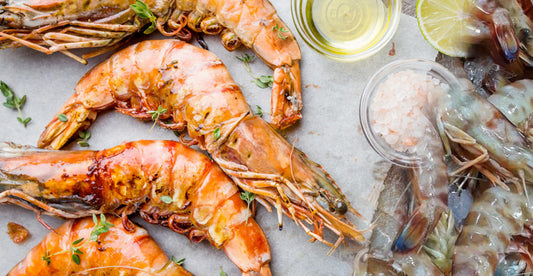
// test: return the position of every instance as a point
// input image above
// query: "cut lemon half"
(444, 24)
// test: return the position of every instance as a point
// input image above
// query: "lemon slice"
(444, 24)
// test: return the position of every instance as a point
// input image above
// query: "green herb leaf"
(5, 89)
(100, 227)
(216, 134)
(268, 80)
(46, 257)
(264, 81)
(246, 58)
(76, 258)
(155, 115)
(62, 117)
(222, 273)
(280, 31)
(178, 262)
(259, 111)
(26, 121)
(83, 144)
(166, 199)
(13, 102)
(150, 29)
(142, 10)
(83, 137)
(21, 101)
(248, 197)
(77, 241)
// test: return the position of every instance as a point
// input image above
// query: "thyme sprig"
(248, 197)
(100, 227)
(156, 114)
(280, 31)
(142, 10)
(75, 248)
(259, 111)
(14, 102)
(261, 81)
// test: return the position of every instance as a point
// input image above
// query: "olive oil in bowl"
(346, 29)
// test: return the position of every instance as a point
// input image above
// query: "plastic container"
(430, 68)
(304, 14)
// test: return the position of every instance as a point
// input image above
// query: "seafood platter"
(268, 138)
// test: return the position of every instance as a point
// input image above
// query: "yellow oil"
(348, 24)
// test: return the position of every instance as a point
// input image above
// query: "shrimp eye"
(341, 207)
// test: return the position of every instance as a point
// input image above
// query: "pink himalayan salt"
(397, 108)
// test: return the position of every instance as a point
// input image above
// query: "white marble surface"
(329, 133)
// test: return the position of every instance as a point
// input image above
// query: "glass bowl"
(317, 22)
(427, 67)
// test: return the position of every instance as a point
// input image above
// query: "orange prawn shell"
(204, 202)
(115, 248)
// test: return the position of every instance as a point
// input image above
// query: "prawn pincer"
(167, 182)
(199, 95)
(119, 251)
(60, 25)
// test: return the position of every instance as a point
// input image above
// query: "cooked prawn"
(167, 182)
(199, 95)
(119, 251)
(60, 25)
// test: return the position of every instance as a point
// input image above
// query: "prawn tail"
(66, 124)
(249, 250)
(420, 224)
(286, 100)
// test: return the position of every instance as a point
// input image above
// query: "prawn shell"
(118, 251)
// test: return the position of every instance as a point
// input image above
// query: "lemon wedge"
(445, 24)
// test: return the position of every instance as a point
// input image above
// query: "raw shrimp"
(481, 136)
(430, 188)
(60, 25)
(392, 212)
(504, 28)
(199, 95)
(494, 218)
(167, 182)
(515, 102)
(119, 251)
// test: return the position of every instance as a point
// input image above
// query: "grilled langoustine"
(60, 25)
(165, 181)
(198, 94)
(119, 251)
